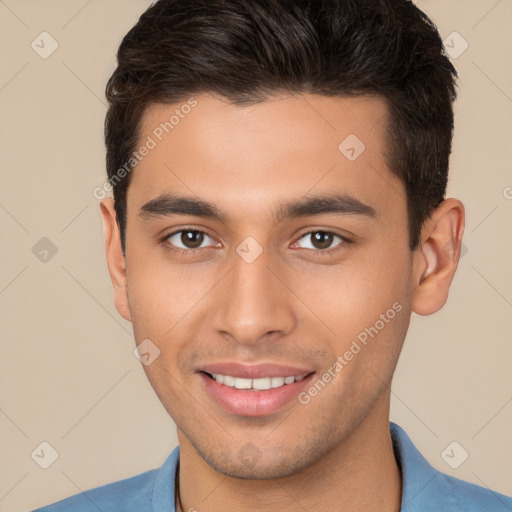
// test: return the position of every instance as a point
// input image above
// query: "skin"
(289, 306)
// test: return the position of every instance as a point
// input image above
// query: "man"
(279, 171)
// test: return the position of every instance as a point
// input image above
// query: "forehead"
(248, 157)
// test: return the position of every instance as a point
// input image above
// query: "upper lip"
(255, 371)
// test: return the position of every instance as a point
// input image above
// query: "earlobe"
(115, 258)
(437, 257)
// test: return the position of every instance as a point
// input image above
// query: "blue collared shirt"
(424, 488)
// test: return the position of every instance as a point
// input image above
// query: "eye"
(321, 241)
(187, 239)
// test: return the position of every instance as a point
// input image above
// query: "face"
(266, 242)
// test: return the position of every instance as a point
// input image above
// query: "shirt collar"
(417, 474)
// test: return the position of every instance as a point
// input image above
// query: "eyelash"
(192, 252)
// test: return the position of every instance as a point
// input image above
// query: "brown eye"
(192, 239)
(322, 240)
(187, 239)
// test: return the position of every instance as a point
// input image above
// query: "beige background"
(68, 374)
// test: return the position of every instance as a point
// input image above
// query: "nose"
(253, 301)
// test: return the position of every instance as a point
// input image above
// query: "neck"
(360, 474)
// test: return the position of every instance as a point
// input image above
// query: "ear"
(115, 257)
(437, 257)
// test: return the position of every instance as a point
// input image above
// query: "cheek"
(351, 296)
(365, 308)
(162, 294)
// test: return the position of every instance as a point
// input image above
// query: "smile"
(260, 384)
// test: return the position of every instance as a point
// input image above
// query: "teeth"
(228, 380)
(276, 382)
(256, 384)
(243, 383)
(265, 383)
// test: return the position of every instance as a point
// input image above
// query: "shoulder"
(140, 492)
(110, 497)
(426, 489)
(450, 492)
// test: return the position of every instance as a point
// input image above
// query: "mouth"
(260, 384)
(258, 390)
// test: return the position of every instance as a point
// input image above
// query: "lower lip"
(244, 402)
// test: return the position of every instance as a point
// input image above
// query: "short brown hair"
(248, 50)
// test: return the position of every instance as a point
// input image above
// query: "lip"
(255, 371)
(243, 402)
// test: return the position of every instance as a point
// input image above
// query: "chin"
(249, 463)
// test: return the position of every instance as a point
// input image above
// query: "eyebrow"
(167, 205)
